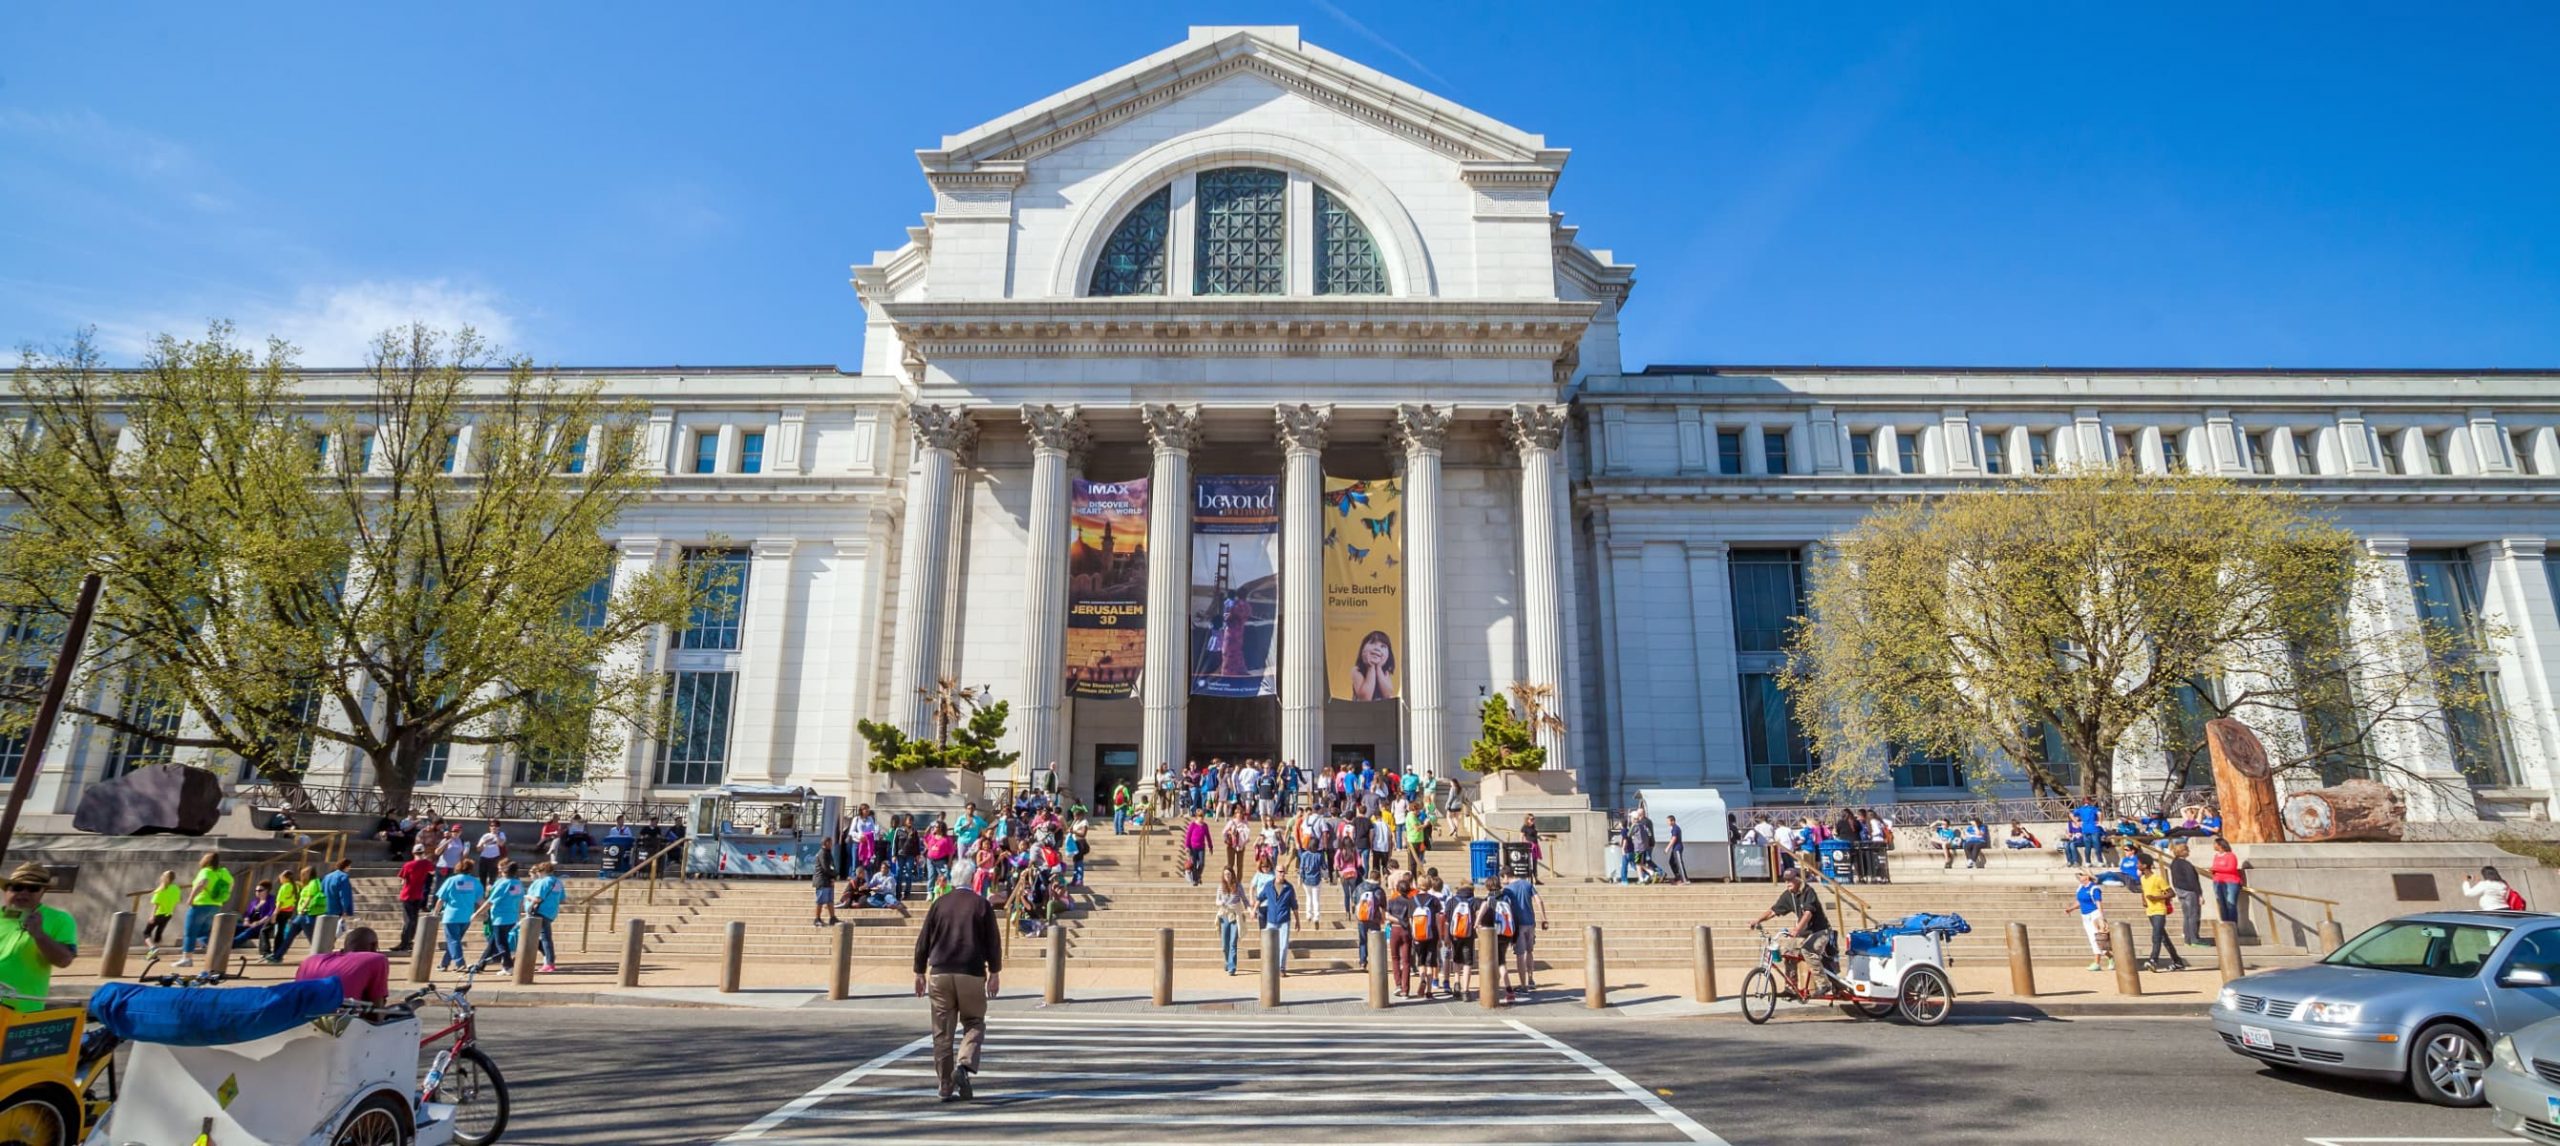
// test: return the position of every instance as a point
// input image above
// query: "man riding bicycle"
(1810, 926)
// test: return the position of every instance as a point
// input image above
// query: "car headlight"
(2229, 1000)
(2503, 1053)
(2321, 1011)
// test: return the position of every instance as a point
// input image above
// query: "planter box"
(1543, 785)
(926, 790)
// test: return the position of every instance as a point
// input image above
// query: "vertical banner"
(1107, 589)
(1363, 588)
(1235, 585)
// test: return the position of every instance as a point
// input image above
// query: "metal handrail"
(613, 912)
(2267, 899)
(454, 806)
(1839, 893)
(2042, 808)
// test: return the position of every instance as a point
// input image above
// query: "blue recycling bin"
(1835, 861)
(1483, 860)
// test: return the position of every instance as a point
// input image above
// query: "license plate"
(2551, 1108)
(2259, 1037)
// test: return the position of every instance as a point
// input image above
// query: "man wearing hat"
(34, 939)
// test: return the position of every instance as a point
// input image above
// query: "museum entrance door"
(1232, 729)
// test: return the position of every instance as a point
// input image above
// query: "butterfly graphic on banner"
(1381, 526)
(1356, 493)
(1358, 554)
(1330, 536)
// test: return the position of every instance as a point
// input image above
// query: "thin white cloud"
(331, 326)
(169, 167)
(1364, 32)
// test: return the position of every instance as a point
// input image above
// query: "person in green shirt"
(310, 902)
(164, 903)
(211, 895)
(34, 939)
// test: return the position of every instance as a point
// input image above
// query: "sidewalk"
(1982, 987)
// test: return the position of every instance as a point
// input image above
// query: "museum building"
(1247, 401)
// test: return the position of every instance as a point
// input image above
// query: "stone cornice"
(1545, 331)
(1669, 489)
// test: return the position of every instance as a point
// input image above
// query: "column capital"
(1172, 427)
(1055, 428)
(1422, 428)
(1536, 427)
(774, 548)
(2394, 548)
(1303, 427)
(940, 427)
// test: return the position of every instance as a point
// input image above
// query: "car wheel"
(2446, 1063)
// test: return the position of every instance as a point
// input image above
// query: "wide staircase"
(1133, 888)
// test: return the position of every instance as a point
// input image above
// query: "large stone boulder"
(154, 800)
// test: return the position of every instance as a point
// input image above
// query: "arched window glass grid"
(1133, 261)
(1242, 232)
(1347, 260)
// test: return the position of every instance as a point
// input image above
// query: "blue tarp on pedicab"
(210, 1016)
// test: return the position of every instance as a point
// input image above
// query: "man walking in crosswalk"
(958, 958)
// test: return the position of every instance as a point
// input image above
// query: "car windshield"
(2445, 950)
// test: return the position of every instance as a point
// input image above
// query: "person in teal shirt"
(971, 826)
(543, 898)
(506, 909)
(460, 898)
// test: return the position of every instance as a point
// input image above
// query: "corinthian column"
(1421, 431)
(1302, 692)
(1055, 435)
(924, 569)
(1165, 689)
(1538, 433)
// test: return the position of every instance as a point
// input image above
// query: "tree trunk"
(2354, 810)
(2244, 783)
(397, 778)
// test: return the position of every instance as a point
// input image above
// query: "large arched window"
(1240, 231)
(1133, 261)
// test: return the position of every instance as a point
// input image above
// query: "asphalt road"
(591, 1076)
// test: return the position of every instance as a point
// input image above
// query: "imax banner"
(1107, 589)
(1235, 585)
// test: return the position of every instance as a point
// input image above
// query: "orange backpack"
(1422, 924)
(1368, 907)
(1462, 921)
(1502, 924)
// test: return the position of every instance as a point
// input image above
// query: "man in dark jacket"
(957, 961)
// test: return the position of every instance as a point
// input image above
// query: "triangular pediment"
(1213, 54)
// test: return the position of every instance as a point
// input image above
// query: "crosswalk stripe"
(759, 1127)
(1244, 1095)
(1171, 1072)
(1669, 1113)
(1293, 1118)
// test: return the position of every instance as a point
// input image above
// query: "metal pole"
(1055, 990)
(50, 709)
(1595, 978)
(2128, 974)
(2022, 963)
(840, 986)
(119, 940)
(2226, 949)
(217, 949)
(1377, 970)
(1705, 987)
(529, 935)
(324, 935)
(635, 931)
(733, 956)
(423, 944)
(1164, 966)
(1270, 968)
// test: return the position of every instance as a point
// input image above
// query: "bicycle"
(462, 1075)
(1911, 979)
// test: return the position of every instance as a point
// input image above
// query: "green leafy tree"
(386, 561)
(2040, 625)
(1508, 740)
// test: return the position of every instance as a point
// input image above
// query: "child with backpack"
(1368, 907)
(1460, 965)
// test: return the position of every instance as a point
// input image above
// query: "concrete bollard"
(635, 932)
(1377, 970)
(840, 984)
(1054, 990)
(733, 956)
(217, 948)
(2332, 936)
(423, 944)
(119, 938)
(1270, 968)
(1164, 967)
(2128, 973)
(2226, 950)
(2022, 963)
(1488, 970)
(1704, 988)
(1595, 977)
(529, 934)
(324, 934)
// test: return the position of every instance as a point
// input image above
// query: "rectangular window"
(452, 450)
(2385, 452)
(2434, 444)
(1906, 450)
(2039, 453)
(131, 750)
(432, 766)
(577, 454)
(2128, 449)
(1728, 452)
(1995, 452)
(320, 451)
(706, 452)
(1913, 768)
(1773, 450)
(1862, 452)
(2520, 447)
(2255, 444)
(1774, 748)
(696, 747)
(2173, 453)
(751, 452)
(2306, 459)
(364, 453)
(587, 610)
(2445, 586)
(1768, 594)
(720, 575)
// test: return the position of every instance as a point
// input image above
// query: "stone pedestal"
(1569, 831)
(925, 791)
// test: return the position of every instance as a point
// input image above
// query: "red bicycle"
(460, 1074)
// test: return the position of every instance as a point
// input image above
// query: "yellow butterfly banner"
(1364, 588)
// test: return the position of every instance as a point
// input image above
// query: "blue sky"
(1969, 183)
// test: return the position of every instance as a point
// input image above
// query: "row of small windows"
(1240, 241)
(2281, 451)
(704, 454)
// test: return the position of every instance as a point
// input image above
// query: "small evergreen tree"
(1506, 743)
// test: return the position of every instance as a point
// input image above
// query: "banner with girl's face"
(1107, 589)
(1363, 588)
(1235, 585)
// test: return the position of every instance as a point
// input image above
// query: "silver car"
(2418, 999)
(2523, 1083)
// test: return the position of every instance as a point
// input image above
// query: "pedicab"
(1900, 967)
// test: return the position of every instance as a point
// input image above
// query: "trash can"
(1835, 861)
(1483, 860)
(617, 857)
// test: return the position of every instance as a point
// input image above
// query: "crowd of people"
(1028, 857)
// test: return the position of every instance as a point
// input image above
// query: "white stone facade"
(890, 531)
